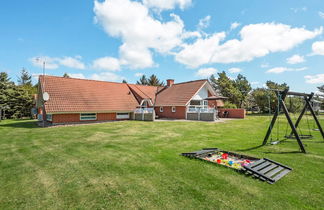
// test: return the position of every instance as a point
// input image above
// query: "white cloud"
(72, 62)
(257, 40)
(107, 76)
(315, 79)
(279, 70)
(234, 70)
(167, 4)
(204, 22)
(321, 14)
(206, 72)
(255, 83)
(139, 31)
(200, 52)
(77, 75)
(106, 63)
(139, 74)
(142, 36)
(136, 57)
(295, 59)
(264, 65)
(235, 25)
(56, 62)
(318, 48)
(104, 76)
(302, 9)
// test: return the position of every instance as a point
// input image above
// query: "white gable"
(202, 94)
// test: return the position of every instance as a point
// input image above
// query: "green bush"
(229, 105)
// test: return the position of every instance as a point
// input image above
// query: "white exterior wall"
(202, 94)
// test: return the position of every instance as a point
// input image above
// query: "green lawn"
(131, 165)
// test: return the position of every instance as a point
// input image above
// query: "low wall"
(232, 113)
(201, 116)
(207, 116)
(145, 116)
(192, 116)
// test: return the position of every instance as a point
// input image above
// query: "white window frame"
(121, 114)
(161, 108)
(49, 117)
(87, 119)
(173, 109)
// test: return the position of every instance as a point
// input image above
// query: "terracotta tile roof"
(179, 94)
(144, 92)
(79, 95)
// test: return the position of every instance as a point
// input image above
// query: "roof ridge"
(146, 85)
(190, 81)
(82, 79)
(141, 91)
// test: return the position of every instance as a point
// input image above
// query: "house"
(79, 100)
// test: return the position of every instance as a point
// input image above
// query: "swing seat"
(301, 136)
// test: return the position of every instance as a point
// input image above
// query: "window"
(161, 108)
(195, 102)
(173, 109)
(122, 116)
(88, 116)
(49, 117)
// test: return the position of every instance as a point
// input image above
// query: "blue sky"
(185, 40)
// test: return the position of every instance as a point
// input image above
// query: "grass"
(136, 165)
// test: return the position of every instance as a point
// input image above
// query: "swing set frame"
(281, 95)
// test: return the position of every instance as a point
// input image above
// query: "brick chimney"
(170, 82)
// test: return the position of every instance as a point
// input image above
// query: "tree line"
(240, 94)
(17, 100)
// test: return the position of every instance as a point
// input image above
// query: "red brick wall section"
(106, 116)
(72, 118)
(167, 112)
(65, 118)
(215, 103)
(232, 113)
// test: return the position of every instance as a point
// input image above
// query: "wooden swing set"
(281, 96)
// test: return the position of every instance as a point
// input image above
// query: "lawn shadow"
(20, 124)
(289, 152)
(251, 148)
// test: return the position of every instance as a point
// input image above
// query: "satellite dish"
(45, 96)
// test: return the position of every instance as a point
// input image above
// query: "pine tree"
(227, 88)
(66, 75)
(24, 78)
(124, 81)
(243, 85)
(16, 100)
(142, 81)
(154, 81)
(6, 92)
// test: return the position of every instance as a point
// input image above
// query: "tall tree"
(227, 88)
(244, 87)
(25, 78)
(154, 81)
(213, 82)
(22, 103)
(142, 80)
(124, 81)
(16, 100)
(262, 96)
(66, 75)
(6, 91)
